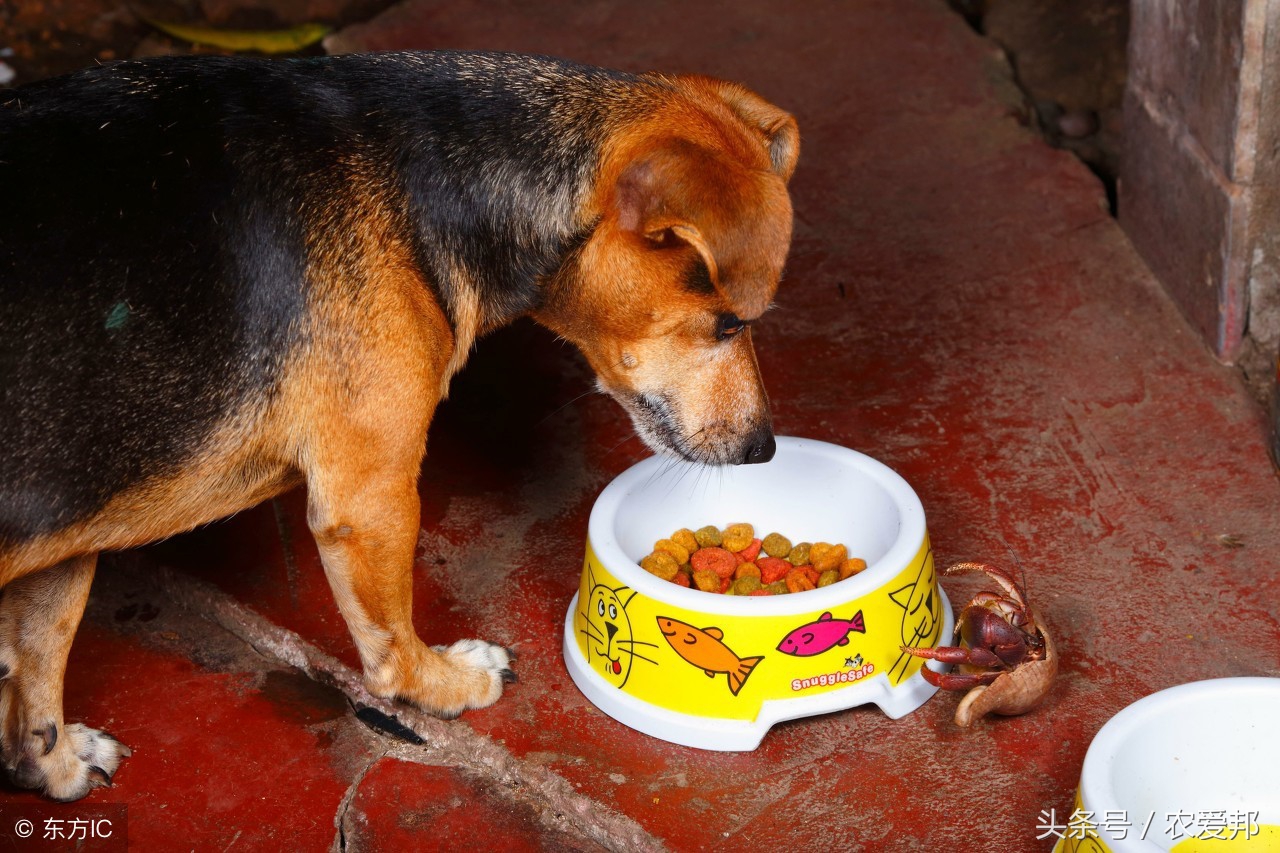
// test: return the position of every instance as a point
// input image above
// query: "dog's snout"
(762, 449)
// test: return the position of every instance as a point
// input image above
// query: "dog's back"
(122, 344)
(171, 230)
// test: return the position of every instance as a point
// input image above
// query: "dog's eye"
(728, 325)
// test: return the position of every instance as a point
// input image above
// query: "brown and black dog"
(220, 278)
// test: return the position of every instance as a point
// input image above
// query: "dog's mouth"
(655, 421)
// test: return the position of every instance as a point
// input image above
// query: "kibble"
(773, 569)
(708, 537)
(732, 561)
(749, 553)
(673, 548)
(662, 564)
(707, 581)
(825, 557)
(776, 545)
(798, 580)
(685, 538)
(736, 537)
(851, 567)
(799, 555)
(716, 560)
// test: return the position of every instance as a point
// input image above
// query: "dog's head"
(693, 228)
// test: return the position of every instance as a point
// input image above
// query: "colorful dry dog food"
(685, 538)
(708, 537)
(673, 548)
(734, 561)
(824, 557)
(736, 537)
(713, 559)
(798, 580)
(662, 564)
(851, 567)
(776, 545)
(707, 581)
(773, 569)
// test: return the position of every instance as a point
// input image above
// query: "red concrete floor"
(958, 304)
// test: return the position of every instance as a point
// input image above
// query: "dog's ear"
(684, 191)
(666, 192)
(777, 127)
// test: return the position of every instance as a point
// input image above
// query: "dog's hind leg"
(39, 614)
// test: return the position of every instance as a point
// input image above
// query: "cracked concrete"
(445, 742)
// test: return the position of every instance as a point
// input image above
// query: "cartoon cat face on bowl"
(611, 645)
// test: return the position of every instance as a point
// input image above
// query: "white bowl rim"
(1097, 791)
(911, 536)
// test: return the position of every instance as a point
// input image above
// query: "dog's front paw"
(481, 668)
(66, 767)
(448, 680)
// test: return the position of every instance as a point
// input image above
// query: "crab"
(1006, 657)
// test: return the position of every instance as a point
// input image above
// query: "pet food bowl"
(708, 670)
(1192, 768)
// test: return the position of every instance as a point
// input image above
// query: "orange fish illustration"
(702, 647)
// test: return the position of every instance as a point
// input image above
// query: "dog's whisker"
(548, 417)
(710, 473)
(687, 468)
(682, 466)
(668, 463)
(611, 450)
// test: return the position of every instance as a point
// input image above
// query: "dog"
(221, 278)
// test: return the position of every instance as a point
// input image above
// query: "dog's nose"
(761, 450)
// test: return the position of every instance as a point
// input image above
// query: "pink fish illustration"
(817, 637)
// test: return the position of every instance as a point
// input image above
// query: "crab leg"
(954, 681)
(1008, 609)
(1000, 576)
(956, 654)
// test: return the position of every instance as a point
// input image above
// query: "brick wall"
(1198, 183)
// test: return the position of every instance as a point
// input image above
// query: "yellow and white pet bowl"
(717, 671)
(1192, 768)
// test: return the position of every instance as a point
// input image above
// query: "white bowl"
(1181, 764)
(619, 644)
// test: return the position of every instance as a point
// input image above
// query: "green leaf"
(261, 41)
